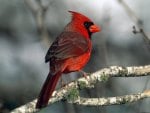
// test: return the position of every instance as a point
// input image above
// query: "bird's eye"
(88, 24)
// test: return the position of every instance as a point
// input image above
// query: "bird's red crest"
(79, 16)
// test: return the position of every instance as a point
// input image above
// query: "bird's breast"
(77, 63)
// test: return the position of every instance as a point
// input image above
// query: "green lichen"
(124, 101)
(104, 77)
(73, 94)
(123, 72)
(81, 84)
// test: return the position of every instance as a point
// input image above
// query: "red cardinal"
(69, 52)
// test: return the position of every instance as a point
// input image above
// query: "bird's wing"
(68, 44)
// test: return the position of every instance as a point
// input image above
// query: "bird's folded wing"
(68, 44)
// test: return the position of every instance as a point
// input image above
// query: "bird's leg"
(84, 74)
(62, 82)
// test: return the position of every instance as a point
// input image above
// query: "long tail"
(47, 89)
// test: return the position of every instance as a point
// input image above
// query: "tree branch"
(101, 75)
(111, 100)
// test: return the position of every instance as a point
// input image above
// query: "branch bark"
(101, 75)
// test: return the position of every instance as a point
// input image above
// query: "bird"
(70, 52)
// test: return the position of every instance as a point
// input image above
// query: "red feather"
(47, 90)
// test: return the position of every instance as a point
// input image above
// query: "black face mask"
(87, 26)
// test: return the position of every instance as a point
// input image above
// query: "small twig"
(145, 37)
(137, 20)
(101, 75)
(130, 12)
(39, 12)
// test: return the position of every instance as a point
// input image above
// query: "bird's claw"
(85, 74)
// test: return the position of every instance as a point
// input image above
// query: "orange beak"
(94, 28)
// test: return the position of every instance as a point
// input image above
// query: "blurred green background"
(28, 27)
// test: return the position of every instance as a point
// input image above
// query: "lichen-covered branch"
(111, 100)
(101, 75)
